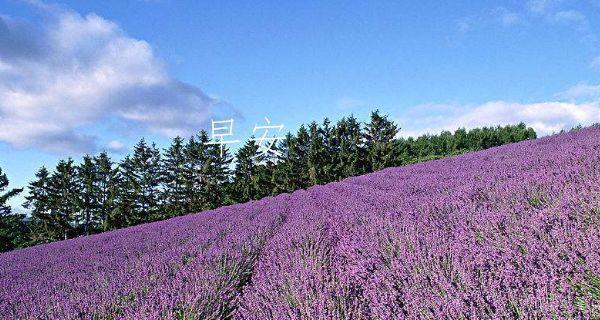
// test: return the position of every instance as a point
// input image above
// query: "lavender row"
(187, 265)
(510, 232)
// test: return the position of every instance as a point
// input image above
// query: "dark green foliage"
(349, 148)
(246, 184)
(379, 139)
(216, 172)
(429, 147)
(107, 185)
(195, 175)
(174, 179)
(6, 194)
(196, 155)
(64, 200)
(88, 216)
(41, 223)
(316, 155)
(290, 174)
(141, 181)
(13, 233)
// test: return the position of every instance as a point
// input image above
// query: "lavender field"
(510, 232)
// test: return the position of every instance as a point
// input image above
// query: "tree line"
(191, 175)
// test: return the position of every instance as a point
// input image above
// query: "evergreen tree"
(351, 159)
(196, 159)
(245, 180)
(300, 158)
(63, 198)
(88, 217)
(43, 227)
(252, 177)
(216, 171)
(316, 155)
(125, 213)
(13, 233)
(195, 176)
(290, 173)
(107, 186)
(379, 138)
(282, 169)
(174, 179)
(122, 213)
(141, 182)
(264, 178)
(331, 152)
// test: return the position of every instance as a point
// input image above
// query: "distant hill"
(509, 232)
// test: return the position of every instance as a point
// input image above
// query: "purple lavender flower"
(509, 232)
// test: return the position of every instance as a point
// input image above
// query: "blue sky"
(82, 76)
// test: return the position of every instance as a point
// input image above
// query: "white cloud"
(581, 90)
(544, 117)
(60, 78)
(115, 146)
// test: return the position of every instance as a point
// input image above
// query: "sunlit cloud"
(60, 78)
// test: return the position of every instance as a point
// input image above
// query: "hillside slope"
(511, 231)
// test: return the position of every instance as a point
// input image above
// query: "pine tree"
(174, 179)
(264, 178)
(216, 172)
(126, 212)
(282, 169)
(195, 176)
(352, 156)
(252, 174)
(12, 228)
(141, 182)
(316, 155)
(331, 152)
(379, 138)
(63, 198)
(196, 158)
(290, 174)
(88, 217)
(122, 213)
(43, 227)
(299, 158)
(107, 184)
(245, 169)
